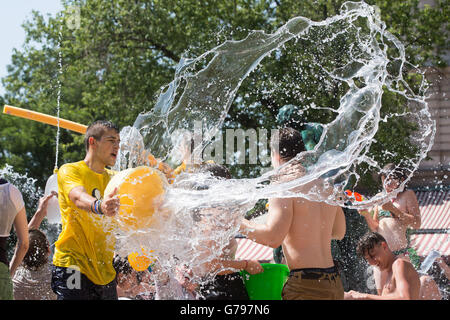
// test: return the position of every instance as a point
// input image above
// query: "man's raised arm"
(273, 232)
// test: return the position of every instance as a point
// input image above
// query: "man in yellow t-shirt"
(82, 262)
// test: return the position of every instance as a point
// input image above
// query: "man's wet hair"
(287, 143)
(97, 129)
(368, 242)
(216, 170)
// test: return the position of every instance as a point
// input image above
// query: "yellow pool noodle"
(44, 118)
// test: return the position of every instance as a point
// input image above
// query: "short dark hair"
(287, 142)
(394, 172)
(121, 265)
(368, 242)
(36, 255)
(97, 129)
(216, 170)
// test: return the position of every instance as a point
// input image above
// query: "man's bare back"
(304, 228)
(308, 241)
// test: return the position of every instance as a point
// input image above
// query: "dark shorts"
(69, 284)
(225, 287)
(313, 284)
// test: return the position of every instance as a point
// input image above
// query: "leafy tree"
(123, 52)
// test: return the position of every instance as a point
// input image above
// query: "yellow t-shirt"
(87, 240)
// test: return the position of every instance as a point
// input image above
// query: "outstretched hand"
(354, 295)
(110, 204)
(43, 202)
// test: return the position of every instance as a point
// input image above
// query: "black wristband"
(99, 207)
(93, 206)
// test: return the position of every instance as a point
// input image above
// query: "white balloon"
(53, 213)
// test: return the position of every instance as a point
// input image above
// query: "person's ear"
(275, 158)
(91, 141)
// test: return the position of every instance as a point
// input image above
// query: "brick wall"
(435, 172)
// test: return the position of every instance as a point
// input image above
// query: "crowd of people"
(85, 266)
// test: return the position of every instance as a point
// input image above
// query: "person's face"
(107, 147)
(377, 256)
(390, 184)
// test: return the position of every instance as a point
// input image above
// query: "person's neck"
(392, 258)
(93, 164)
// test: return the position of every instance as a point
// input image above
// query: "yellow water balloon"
(140, 191)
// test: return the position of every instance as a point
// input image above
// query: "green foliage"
(115, 63)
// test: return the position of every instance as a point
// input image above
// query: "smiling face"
(378, 256)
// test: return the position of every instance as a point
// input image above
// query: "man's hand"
(253, 267)
(110, 204)
(354, 295)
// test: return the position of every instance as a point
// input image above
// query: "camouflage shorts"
(6, 285)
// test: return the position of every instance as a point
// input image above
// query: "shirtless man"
(402, 280)
(305, 229)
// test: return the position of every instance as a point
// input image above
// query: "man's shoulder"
(73, 169)
(402, 263)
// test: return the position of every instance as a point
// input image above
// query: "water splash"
(204, 89)
(58, 100)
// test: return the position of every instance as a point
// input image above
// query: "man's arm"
(372, 223)
(279, 220)
(84, 201)
(230, 266)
